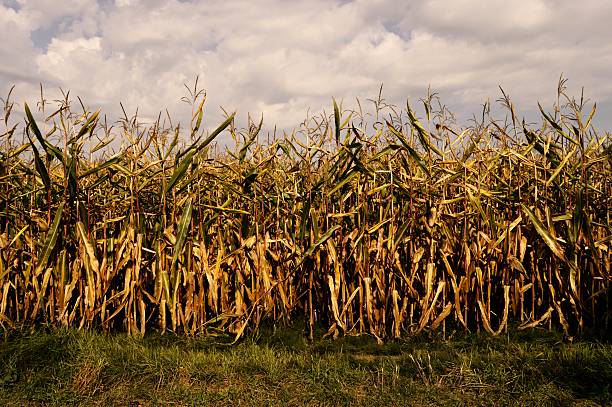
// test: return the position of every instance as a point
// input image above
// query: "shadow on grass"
(585, 369)
(518, 361)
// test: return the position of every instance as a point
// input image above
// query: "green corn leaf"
(304, 218)
(103, 143)
(398, 134)
(15, 152)
(183, 230)
(590, 118)
(172, 145)
(560, 167)
(385, 151)
(89, 125)
(51, 238)
(421, 132)
(346, 179)
(33, 125)
(337, 121)
(180, 171)
(50, 149)
(40, 166)
(420, 162)
(113, 160)
(72, 178)
(471, 148)
(413, 154)
(556, 126)
(309, 252)
(197, 146)
(216, 132)
(200, 113)
(476, 204)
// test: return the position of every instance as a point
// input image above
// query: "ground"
(281, 367)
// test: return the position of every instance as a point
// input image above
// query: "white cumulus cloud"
(281, 58)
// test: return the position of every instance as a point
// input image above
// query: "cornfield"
(386, 228)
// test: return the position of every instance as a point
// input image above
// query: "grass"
(281, 367)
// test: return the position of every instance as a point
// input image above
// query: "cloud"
(281, 58)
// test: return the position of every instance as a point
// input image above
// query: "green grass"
(68, 367)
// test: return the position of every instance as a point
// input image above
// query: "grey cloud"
(281, 58)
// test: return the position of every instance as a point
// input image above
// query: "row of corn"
(387, 229)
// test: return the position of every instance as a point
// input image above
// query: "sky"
(288, 58)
